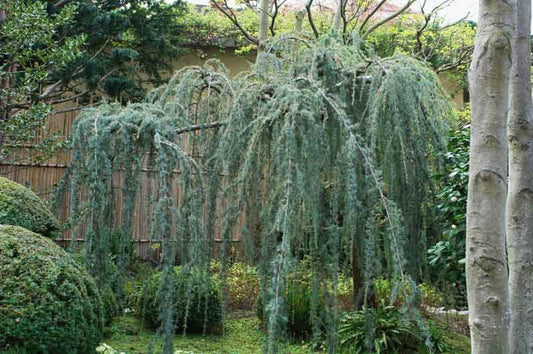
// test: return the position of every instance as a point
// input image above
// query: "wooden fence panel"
(42, 177)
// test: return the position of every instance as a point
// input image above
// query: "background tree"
(130, 43)
(127, 46)
(446, 47)
(29, 49)
(362, 16)
(520, 197)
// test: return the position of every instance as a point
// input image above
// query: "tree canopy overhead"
(55, 52)
(315, 147)
(129, 44)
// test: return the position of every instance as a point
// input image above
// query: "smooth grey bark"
(486, 264)
(338, 16)
(520, 196)
(263, 23)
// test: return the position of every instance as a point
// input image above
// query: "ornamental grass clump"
(48, 302)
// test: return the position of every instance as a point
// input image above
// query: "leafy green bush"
(384, 288)
(197, 301)
(19, 206)
(48, 302)
(298, 297)
(242, 281)
(447, 257)
(386, 330)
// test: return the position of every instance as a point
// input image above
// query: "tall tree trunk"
(337, 19)
(520, 197)
(264, 6)
(486, 265)
(4, 83)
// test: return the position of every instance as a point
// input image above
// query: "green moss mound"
(48, 302)
(19, 206)
(198, 302)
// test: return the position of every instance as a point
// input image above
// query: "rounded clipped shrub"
(48, 302)
(197, 302)
(19, 206)
(109, 301)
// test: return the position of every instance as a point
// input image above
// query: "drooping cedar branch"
(196, 127)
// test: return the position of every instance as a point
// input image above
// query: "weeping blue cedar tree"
(324, 152)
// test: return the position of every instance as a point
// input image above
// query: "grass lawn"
(241, 336)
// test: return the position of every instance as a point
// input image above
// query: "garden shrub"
(242, 285)
(386, 329)
(110, 305)
(345, 294)
(385, 289)
(298, 297)
(107, 293)
(19, 206)
(197, 301)
(48, 302)
(447, 257)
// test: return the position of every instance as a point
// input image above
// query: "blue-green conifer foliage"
(325, 151)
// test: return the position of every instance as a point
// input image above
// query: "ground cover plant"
(241, 335)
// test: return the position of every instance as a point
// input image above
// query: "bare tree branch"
(276, 6)
(463, 59)
(228, 12)
(372, 13)
(74, 109)
(196, 127)
(310, 18)
(361, 6)
(388, 19)
(60, 3)
(464, 53)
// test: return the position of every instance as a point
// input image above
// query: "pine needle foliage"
(324, 152)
